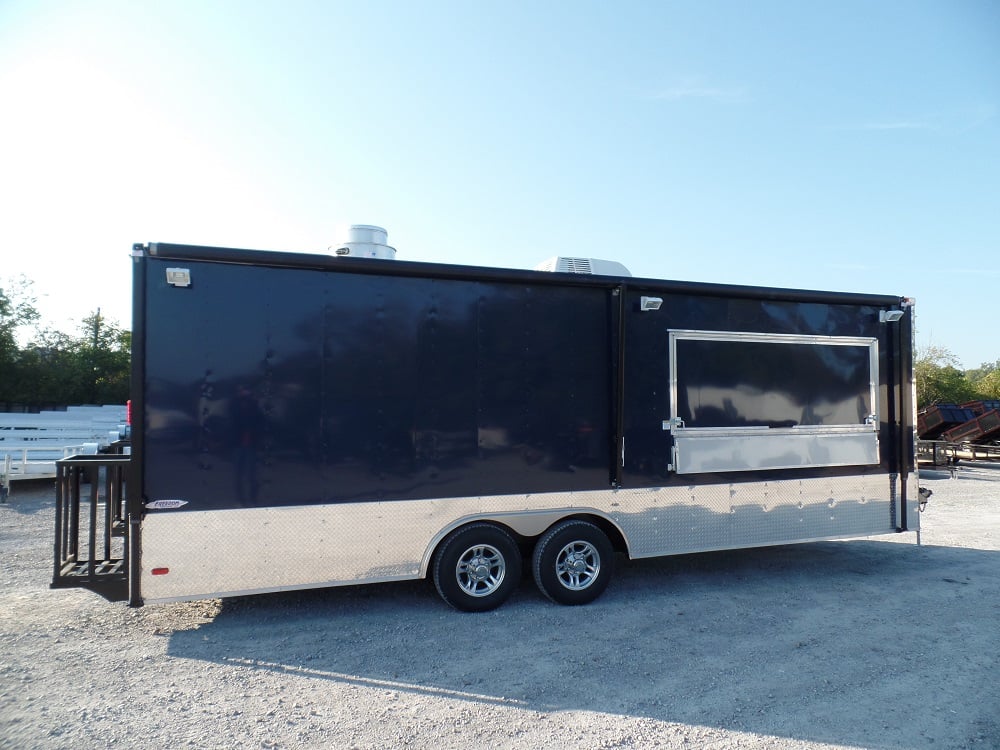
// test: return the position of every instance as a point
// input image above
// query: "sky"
(850, 146)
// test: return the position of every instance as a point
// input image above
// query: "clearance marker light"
(160, 571)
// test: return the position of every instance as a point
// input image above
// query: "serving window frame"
(756, 448)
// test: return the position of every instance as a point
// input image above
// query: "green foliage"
(17, 309)
(986, 380)
(106, 356)
(940, 381)
(55, 368)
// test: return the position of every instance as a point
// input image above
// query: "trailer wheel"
(573, 562)
(477, 567)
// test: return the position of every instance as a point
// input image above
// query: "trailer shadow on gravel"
(866, 643)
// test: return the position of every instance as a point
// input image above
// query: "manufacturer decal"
(165, 504)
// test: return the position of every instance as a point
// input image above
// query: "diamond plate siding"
(228, 552)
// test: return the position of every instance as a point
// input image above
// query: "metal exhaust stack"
(364, 241)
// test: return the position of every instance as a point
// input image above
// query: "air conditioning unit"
(592, 266)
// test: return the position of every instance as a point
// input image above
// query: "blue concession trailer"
(305, 421)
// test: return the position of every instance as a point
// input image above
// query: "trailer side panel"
(269, 387)
(309, 423)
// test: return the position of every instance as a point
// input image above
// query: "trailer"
(937, 419)
(303, 421)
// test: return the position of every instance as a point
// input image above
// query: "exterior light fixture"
(646, 304)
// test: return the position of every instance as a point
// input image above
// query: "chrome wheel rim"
(480, 570)
(577, 565)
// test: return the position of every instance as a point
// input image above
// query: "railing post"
(73, 521)
(102, 565)
(57, 553)
(108, 500)
(95, 487)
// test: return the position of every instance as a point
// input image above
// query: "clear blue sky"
(850, 146)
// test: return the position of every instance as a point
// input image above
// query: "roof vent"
(591, 266)
(363, 241)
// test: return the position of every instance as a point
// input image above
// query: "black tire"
(477, 567)
(573, 562)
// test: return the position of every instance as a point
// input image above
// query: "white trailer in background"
(31, 443)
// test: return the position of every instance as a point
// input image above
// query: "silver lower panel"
(701, 452)
(230, 552)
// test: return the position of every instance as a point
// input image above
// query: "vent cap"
(363, 241)
(590, 266)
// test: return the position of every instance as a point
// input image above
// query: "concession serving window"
(755, 401)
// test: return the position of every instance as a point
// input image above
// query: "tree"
(17, 309)
(89, 368)
(939, 381)
(104, 357)
(56, 368)
(986, 380)
(39, 376)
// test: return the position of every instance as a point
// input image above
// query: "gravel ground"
(869, 643)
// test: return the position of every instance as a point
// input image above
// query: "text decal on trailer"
(165, 504)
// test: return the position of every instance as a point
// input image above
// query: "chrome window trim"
(772, 446)
(778, 338)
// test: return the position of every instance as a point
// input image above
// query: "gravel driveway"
(868, 643)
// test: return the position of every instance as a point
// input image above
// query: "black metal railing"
(90, 546)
